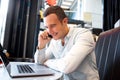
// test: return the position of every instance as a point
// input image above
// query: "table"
(5, 76)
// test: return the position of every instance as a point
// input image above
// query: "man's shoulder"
(80, 30)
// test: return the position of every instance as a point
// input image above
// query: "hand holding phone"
(50, 36)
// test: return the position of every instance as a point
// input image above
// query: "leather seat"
(107, 52)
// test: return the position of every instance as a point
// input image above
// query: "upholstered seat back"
(107, 52)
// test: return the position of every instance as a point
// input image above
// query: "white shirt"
(76, 59)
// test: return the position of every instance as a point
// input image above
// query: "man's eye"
(53, 25)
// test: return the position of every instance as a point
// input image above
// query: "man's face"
(55, 27)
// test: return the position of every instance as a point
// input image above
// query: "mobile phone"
(50, 36)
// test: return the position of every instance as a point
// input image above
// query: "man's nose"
(49, 30)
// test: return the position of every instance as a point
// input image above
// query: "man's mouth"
(54, 34)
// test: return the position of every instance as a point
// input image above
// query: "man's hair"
(55, 10)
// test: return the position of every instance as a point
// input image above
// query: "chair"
(107, 52)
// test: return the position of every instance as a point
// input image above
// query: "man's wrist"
(39, 48)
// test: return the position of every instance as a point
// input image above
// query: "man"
(70, 51)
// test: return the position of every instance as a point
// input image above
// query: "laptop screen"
(4, 58)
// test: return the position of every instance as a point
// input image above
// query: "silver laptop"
(18, 69)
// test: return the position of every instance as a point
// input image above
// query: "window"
(3, 15)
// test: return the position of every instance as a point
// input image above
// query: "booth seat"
(107, 52)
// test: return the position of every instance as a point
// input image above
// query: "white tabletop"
(5, 76)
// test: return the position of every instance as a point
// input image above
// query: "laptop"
(26, 69)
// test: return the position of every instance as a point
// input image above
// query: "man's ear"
(65, 20)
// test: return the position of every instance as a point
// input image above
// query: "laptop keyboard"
(25, 69)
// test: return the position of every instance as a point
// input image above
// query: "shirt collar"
(67, 36)
(69, 33)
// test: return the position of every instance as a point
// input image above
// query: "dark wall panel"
(22, 27)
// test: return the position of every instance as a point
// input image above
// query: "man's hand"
(43, 39)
